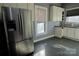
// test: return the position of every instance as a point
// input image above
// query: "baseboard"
(43, 38)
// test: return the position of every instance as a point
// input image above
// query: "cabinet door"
(76, 34)
(65, 32)
(59, 14)
(71, 32)
(55, 31)
(56, 13)
(58, 32)
(51, 13)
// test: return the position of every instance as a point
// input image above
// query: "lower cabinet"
(65, 33)
(77, 34)
(71, 33)
(58, 31)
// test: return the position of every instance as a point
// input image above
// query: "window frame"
(45, 28)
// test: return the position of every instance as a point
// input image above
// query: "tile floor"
(56, 47)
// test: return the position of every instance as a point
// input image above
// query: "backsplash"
(51, 25)
(50, 29)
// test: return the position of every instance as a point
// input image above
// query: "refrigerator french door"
(18, 30)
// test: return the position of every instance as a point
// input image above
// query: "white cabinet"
(65, 33)
(71, 32)
(76, 34)
(56, 13)
(58, 32)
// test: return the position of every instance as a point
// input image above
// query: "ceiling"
(64, 5)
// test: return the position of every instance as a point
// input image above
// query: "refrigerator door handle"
(20, 23)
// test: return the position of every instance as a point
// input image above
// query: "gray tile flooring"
(57, 47)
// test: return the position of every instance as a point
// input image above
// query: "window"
(72, 19)
(41, 19)
(40, 28)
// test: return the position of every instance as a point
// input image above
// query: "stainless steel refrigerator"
(18, 30)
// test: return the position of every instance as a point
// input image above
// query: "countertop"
(67, 27)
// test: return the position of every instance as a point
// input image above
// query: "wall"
(50, 24)
(71, 8)
(29, 6)
(56, 4)
(71, 5)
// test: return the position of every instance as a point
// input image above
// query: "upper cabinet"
(56, 13)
